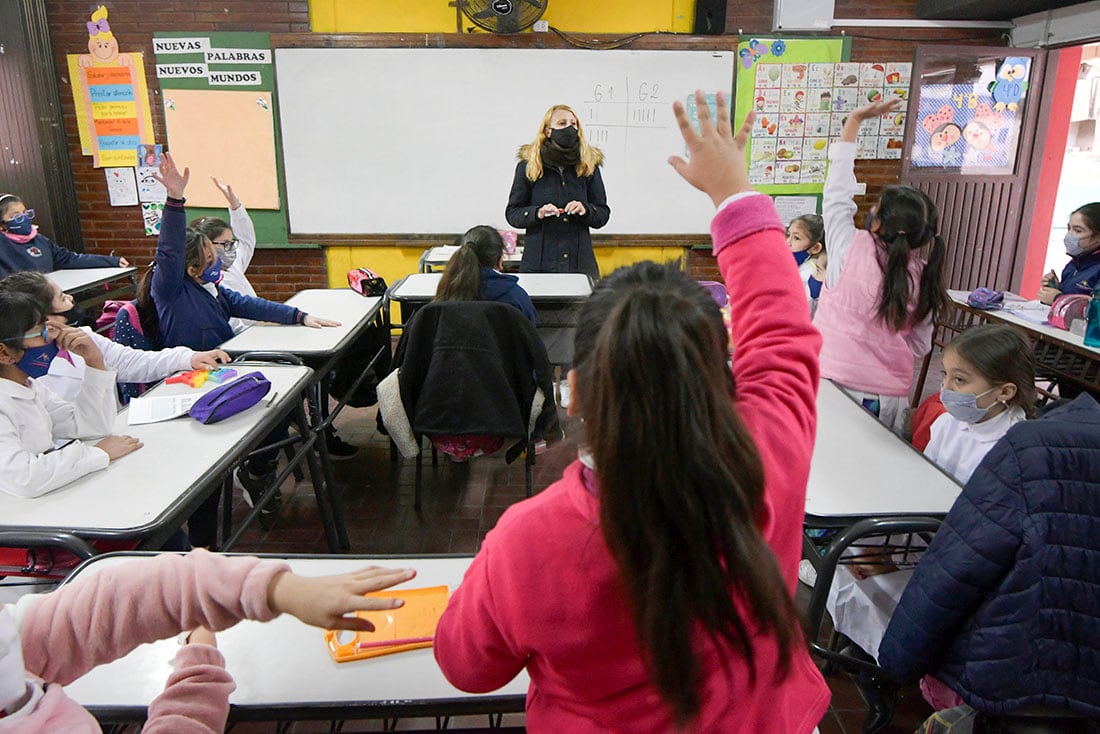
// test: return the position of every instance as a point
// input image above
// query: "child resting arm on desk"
(103, 616)
(32, 418)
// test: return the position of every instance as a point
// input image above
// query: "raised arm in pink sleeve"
(196, 698)
(774, 361)
(103, 616)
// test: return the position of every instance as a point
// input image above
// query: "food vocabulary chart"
(801, 107)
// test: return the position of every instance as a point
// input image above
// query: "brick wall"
(277, 274)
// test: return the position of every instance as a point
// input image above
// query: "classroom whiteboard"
(425, 140)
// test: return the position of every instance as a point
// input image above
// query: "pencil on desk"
(393, 643)
(272, 400)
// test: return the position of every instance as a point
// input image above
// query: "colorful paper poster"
(149, 155)
(148, 187)
(151, 213)
(111, 98)
(789, 83)
(974, 126)
(121, 186)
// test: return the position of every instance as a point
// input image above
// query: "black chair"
(897, 541)
(468, 368)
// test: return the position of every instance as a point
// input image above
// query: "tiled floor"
(462, 502)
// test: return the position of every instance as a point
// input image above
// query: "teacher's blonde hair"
(532, 152)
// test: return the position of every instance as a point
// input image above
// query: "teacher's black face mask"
(564, 137)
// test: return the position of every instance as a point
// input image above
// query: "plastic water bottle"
(1092, 328)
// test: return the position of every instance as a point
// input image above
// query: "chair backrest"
(473, 367)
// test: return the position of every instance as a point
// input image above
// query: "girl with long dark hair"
(650, 588)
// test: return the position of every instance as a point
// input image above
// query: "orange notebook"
(409, 627)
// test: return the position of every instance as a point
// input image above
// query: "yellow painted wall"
(394, 263)
(437, 16)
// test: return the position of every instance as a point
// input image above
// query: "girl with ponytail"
(474, 273)
(650, 588)
(883, 287)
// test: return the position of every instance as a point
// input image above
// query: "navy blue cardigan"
(189, 315)
(1005, 605)
(43, 255)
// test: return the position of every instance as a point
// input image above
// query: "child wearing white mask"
(235, 242)
(988, 387)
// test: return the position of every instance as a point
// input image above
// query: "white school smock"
(958, 447)
(32, 418)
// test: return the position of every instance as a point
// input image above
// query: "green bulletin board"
(214, 85)
(785, 64)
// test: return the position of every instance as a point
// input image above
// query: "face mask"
(36, 360)
(963, 406)
(1073, 244)
(23, 226)
(800, 257)
(565, 137)
(227, 258)
(213, 272)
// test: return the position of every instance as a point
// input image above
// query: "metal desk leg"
(227, 505)
(320, 471)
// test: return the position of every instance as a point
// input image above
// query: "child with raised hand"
(235, 243)
(23, 248)
(883, 287)
(474, 273)
(658, 595)
(186, 261)
(103, 616)
(66, 374)
(33, 419)
(806, 238)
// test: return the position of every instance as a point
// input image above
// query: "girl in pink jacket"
(103, 616)
(649, 589)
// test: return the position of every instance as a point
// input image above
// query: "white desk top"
(74, 280)
(128, 497)
(338, 304)
(540, 286)
(861, 469)
(285, 662)
(1014, 313)
(442, 255)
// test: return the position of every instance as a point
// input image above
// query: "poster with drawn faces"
(973, 125)
(800, 107)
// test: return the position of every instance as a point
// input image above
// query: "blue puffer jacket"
(1005, 605)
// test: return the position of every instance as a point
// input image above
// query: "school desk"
(438, 257)
(321, 349)
(860, 469)
(283, 671)
(76, 281)
(1059, 355)
(146, 495)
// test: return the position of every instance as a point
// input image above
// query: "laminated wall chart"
(802, 97)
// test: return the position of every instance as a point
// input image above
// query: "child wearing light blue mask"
(988, 386)
(33, 419)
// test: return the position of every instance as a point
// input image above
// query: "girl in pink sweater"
(103, 616)
(884, 286)
(650, 588)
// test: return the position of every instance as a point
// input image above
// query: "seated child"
(66, 374)
(23, 248)
(103, 616)
(235, 243)
(474, 273)
(806, 238)
(33, 419)
(988, 387)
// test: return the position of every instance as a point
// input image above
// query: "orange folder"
(409, 627)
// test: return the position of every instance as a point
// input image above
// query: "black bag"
(374, 339)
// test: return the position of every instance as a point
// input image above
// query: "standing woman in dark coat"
(557, 195)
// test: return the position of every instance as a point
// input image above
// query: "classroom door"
(970, 130)
(34, 157)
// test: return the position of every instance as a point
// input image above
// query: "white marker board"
(425, 140)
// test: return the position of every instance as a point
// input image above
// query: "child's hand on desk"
(78, 342)
(118, 446)
(315, 322)
(208, 360)
(323, 601)
(717, 163)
